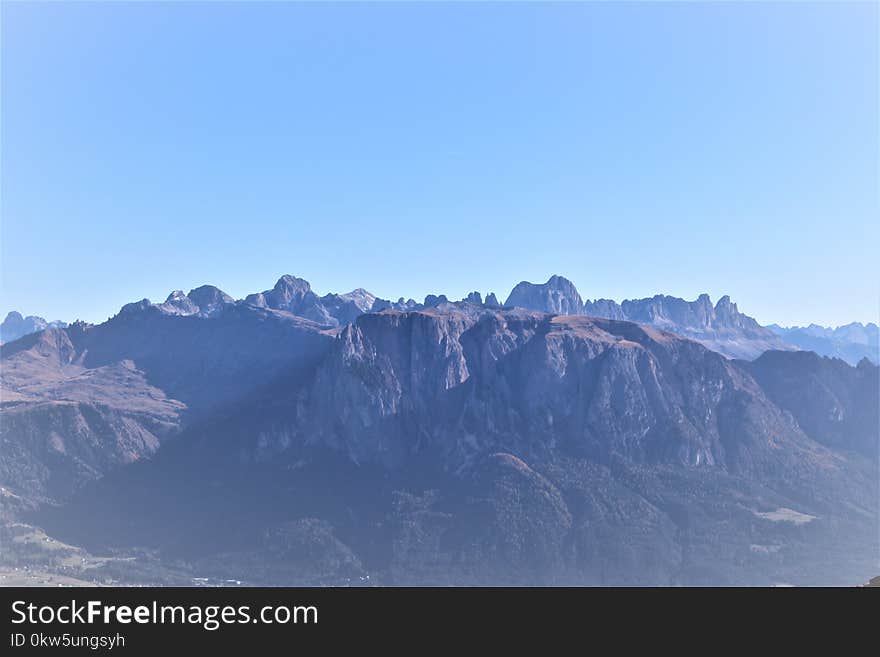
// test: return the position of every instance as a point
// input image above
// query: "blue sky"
(413, 148)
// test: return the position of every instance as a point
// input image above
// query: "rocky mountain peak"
(288, 291)
(704, 303)
(361, 298)
(433, 300)
(558, 295)
(287, 282)
(204, 301)
(136, 307)
(725, 305)
(209, 299)
(16, 326)
(293, 295)
(178, 303)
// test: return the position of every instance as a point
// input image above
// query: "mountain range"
(291, 438)
(721, 327)
(850, 342)
(15, 326)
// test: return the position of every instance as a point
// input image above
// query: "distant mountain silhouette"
(558, 296)
(851, 342)
(720, 327)
(15, 326)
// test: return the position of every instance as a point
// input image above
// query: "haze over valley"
(291, 438)
(439, 293)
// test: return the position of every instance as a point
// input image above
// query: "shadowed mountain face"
(65, 423)
(207, 362)
(458, 383)
(79, 401)
(458, 443)
(835, 403)
(465, 445)
(851, 342)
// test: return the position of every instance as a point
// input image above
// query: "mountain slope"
(64, 423)
(460, 445)
(79, 401)
(206, 362)
(835, 403)
(438, 443)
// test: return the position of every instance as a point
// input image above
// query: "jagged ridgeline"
(15, 326)
(292, 438)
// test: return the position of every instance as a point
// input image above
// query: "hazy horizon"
(636, 149)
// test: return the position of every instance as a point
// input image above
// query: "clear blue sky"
(413, 148)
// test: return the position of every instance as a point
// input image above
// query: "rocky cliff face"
(459, 383)
(558, 295)
(721, 327)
